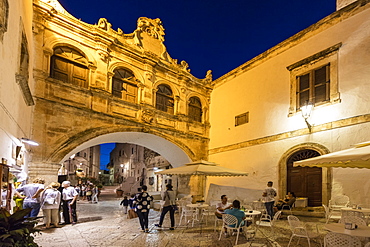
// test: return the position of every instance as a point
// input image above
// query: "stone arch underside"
(175, 154)
(326, 173)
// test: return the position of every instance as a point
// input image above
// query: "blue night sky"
(210, 34)
(105, 150)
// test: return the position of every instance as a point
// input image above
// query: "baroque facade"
(92, 81)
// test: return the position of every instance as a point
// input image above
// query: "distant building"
(84, 164)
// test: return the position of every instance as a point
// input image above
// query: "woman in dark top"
(142, 202)
(288, 201)
(169, 198)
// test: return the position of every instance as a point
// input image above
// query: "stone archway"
(326, 173)
(170, 151)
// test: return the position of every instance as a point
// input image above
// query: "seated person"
(289, 200)
(221, 206)
(235, 210)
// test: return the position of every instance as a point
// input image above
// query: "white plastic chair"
(353, 219)
(353, 213)
(189, 214)
(333, 239)
(231, 224)
(339, 202)
(265, 221)
(207, 212)
(287, 207)
(259, 206)
(299, 230)
(330, 214)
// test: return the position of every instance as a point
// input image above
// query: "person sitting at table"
(288, 201)
(235, 211)
(222, 206)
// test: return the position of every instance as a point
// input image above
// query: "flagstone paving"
(105, 224)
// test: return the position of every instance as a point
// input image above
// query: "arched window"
(164, 99)
(124, 85)
(70, 66)
(195, 109)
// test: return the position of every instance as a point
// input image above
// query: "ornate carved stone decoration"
(208, 76)
(153, 28)
(147, 116)
(184, 66)
(104, 24)
(4, 12)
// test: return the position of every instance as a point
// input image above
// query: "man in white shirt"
(32, 196)
(222, 206)
(269, 198)
(69, 198)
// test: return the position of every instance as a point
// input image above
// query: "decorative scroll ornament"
(153, 28)
(147, 117)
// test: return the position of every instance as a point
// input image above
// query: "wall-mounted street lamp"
(306, 111)
(28, 141)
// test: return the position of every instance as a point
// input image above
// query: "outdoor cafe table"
(360, 231)
(252, 213)
(362, 210)
(365, 211)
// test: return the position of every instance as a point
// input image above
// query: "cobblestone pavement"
(105, 224)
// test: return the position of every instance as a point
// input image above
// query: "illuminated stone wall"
(67, 115)
(263, 87)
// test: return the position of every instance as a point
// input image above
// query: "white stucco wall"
(264, 92)
(15, 115)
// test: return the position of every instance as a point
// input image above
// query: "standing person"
(31, 196)
(83, 192)
(222, 206)
(269, 198)
(169, 198)
(69, 198)
(94, 196)
(89, 192)
(142, 203)
(125, 203)
(50, 201)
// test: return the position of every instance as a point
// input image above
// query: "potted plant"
(119, 192)
(15, 230)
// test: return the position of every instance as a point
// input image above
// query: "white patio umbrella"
(202, 169)
(356, 157)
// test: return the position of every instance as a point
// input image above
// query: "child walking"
(125, 203)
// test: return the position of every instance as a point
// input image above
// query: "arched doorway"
(305, 181)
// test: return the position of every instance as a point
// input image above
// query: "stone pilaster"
(47, 171)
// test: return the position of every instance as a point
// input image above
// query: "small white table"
(360, 231)
(362, 210)
(252, 212)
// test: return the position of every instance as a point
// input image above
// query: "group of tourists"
(51, 200)
(88, 191)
